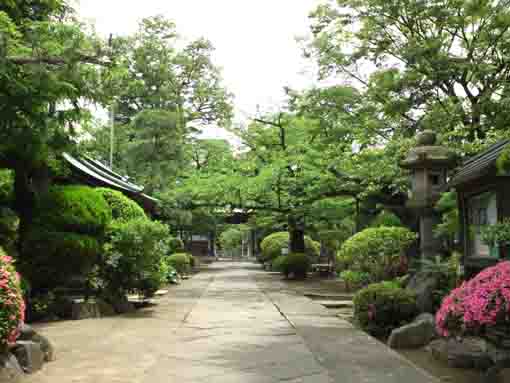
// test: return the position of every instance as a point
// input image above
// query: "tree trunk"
(296, 235)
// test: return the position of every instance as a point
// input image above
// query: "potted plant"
(497, 236)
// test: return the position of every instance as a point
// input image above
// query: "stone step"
(329, 296)
(336, 304)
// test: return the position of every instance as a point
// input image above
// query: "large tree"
(438, 64)
(50, 65)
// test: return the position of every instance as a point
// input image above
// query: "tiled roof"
(479, 164)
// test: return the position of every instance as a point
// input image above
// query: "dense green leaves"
(122, 208)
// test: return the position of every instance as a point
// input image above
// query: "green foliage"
(175, 245)
(381, 307)
(347, 34)
(450, 224)
(343, 262)
(6, 187)
(272, 246)
(231, 239)
(297, 265)
(123, 208)
(133, 257)
(280, 263)
(496, 234)
(78, 209)
(387, 219)
(56, 257)
(181, 262)
(354, 279)
(447, 273)
(503, 162)
(378, 251)
(169, 271)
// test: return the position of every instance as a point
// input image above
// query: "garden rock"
(465, 353)
(413, 335)
(27, 333)
(85, 310)
(423, 285)
(29, 355)
(105, 309)
(10, 370)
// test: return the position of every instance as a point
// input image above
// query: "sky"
(254, 40)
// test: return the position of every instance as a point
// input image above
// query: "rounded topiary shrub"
(78, 209)
(296, 265)
(272, 246)
(123, 208)
(479, 306)
(12, 306)
(378, 251)
(181, 262)
(381, 307)
(279, 263)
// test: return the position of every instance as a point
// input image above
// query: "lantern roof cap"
(428, 154)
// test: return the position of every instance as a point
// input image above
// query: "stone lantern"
(429, 165)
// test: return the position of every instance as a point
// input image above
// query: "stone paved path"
(231, 323)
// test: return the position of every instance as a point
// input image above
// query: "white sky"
(254, 40)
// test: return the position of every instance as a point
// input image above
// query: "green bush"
(386, 219)
(181, 262)
(381, 307)
(169, 271)
(343, 262)
(378, 251)
(297, 265)
(354, 279)
(272, 246)
(279, 263)
(192, 261)
(175, 245)
(66, 236)
(123, 208)
(133, 256)
(77, 209)
(55, 258)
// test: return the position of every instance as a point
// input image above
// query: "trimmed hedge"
(377, 251)
(123, 208)
(297, 265)
(272, 246)
(78, 209)
(381, 307)
(56, 257)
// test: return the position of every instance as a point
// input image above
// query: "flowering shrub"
(477, 304)
(12, 306)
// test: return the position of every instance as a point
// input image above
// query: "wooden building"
(483, 199)
(87, 171)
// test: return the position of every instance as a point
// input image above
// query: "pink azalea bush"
(477, 304)
(12, 306)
